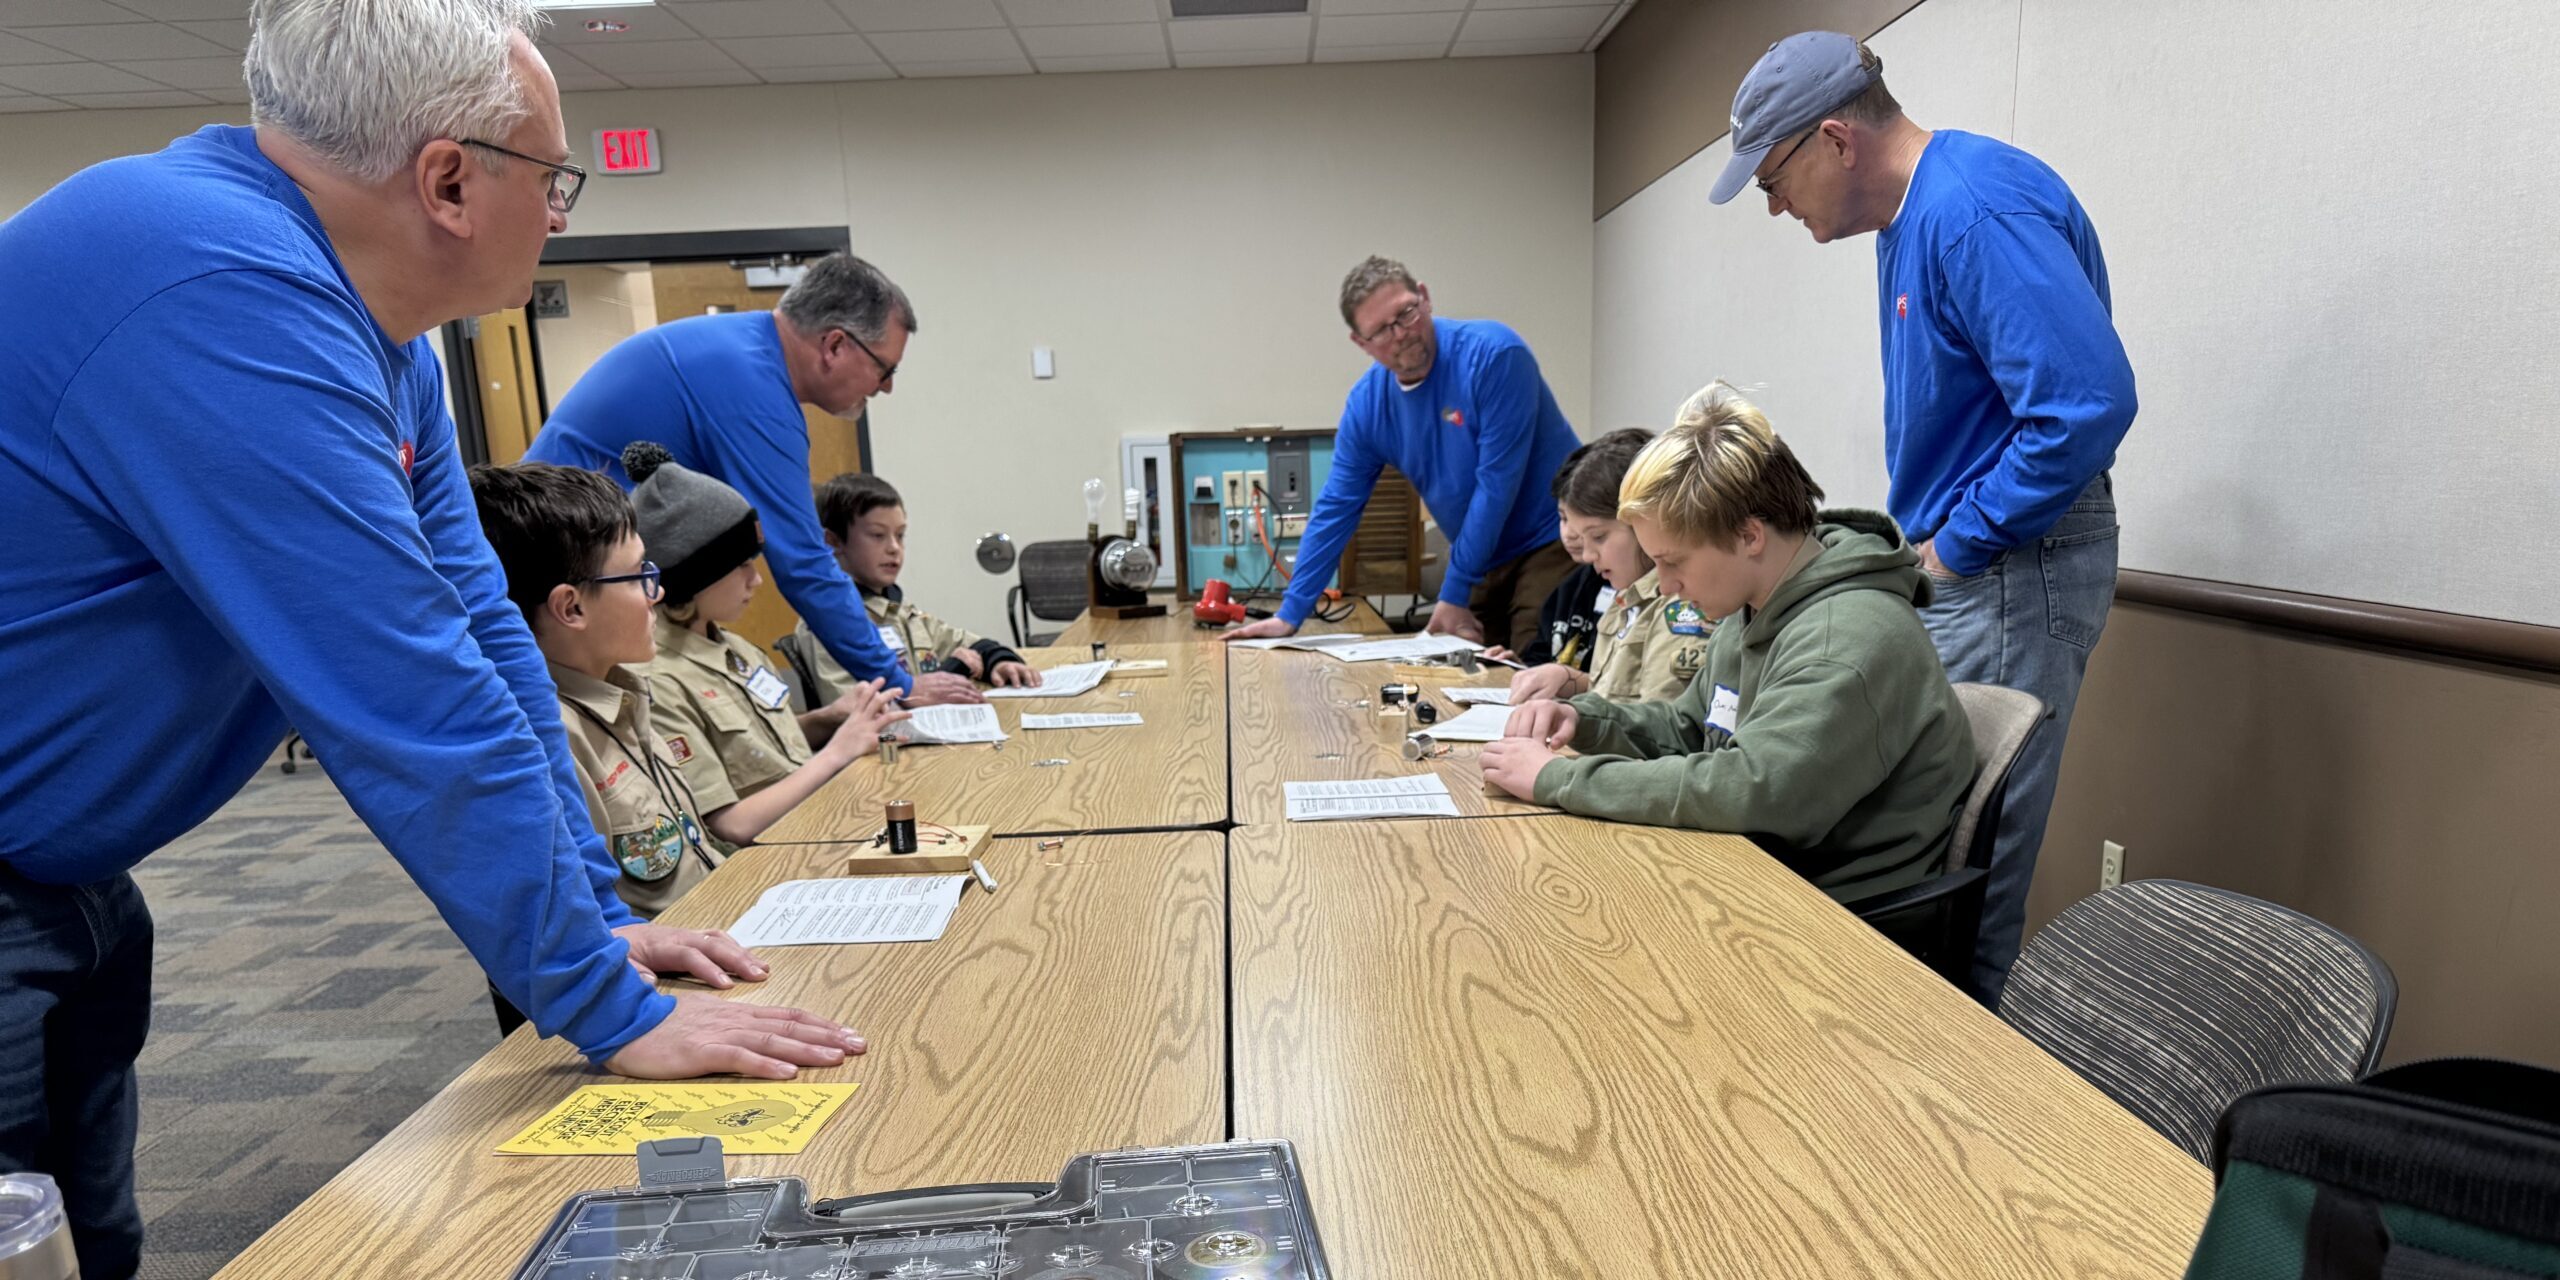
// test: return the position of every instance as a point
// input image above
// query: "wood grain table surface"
(973, 1073)
(1176, 627)
(1169, 772)
(1296, 717)
(1554, 1047)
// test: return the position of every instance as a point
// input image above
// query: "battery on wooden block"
(940, 850)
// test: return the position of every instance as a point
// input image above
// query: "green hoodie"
(1844, 752)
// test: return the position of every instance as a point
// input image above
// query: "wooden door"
(510, 404)
(694, 288)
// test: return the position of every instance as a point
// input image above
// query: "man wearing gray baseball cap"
(2006, 392)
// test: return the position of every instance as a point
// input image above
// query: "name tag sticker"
(1724, 709)
(767, 689)
(890, 637)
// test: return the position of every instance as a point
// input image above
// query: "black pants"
(75, 1003)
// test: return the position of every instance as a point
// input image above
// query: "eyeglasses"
(887, 370)
(1766, 184)
(567, 180)
(650, 587)
(1406, 321)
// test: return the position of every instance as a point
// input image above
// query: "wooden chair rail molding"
(2493, 640)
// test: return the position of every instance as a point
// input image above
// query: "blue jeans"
(75, 1001)
(2028, 623)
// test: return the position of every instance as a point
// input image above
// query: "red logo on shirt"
(1902, 307)
(679, 750)
(408, 455)
(614, 778)
(1453, 417)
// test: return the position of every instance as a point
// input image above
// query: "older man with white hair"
(235, 503)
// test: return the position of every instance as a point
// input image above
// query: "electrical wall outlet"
(2110, 864)
(1257, 488)
(1235, 530)
(1235, 488)
(1293, 526)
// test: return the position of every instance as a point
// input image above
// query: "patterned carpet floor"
(306, 999)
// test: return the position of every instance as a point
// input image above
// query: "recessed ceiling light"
(606, 26)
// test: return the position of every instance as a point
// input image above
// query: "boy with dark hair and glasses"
(573, 562)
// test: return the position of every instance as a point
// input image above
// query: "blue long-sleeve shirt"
(714, 391)
(235, 504)
(1481, 439)
(2006, 389)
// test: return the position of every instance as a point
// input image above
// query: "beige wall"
(2408, 801)
(606, 305)
(1176, 236)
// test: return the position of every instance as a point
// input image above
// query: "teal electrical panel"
(1225, 518)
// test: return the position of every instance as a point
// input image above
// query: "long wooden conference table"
(1517, 1044)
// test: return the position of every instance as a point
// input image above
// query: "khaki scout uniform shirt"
(639, 806)
(725, 713)
(919, 640)
(1650, 646)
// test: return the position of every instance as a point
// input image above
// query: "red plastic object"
(1217, 605)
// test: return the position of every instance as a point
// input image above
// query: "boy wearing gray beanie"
(724, 713)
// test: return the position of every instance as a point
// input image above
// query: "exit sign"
(627, 151)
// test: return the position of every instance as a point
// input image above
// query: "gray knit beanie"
(695, 528)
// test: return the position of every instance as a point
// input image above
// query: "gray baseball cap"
(1795, 84)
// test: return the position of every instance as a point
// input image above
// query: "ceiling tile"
(1210, 35)
(15, 51)
(641, 23)
(990, 67)
(1511, 48)
(128, 40)
(826, 75)
(1240, 58)
(733, 18)
(20, 102)
(766, 53)
(689, 79)
(184, 10)
(190, 73)
(620, 60)
(919, 15)
(1156, 61)
(238, 96)
(1579, 23)
(1337, 8)
(1397, 28)
(903, 47)
(1545, 4)
(74, 77)
(1048, 13)
(153, 98)
(1384, 52)
(56, 13)
(584, 81)
(230, 35)
(1116, 39)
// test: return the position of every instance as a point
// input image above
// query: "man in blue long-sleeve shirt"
(1459, 407)
(2006, 392)
(235, 503)
(723, 393)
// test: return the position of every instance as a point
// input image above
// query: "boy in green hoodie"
(1821, 725)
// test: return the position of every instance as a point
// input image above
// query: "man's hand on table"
(707, 954)
(1267, 629)
(1454, 620)
(705, 1035)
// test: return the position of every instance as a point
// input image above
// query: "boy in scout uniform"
(724, 714)
(573, 565)
(865, 524)
(1648, 645)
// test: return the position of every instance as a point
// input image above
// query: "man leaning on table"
(1460, 408)
(227, 461)
(2006, 392)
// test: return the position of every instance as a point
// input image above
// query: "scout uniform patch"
(639, 806)
(723, 698)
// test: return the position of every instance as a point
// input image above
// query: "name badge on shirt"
(1601, 602)
(890, 637)
(767, 689)
(1723, 709)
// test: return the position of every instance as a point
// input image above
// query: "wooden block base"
(940, 851)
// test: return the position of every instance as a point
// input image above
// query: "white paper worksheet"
(946, 723)
(1312, 644)
(1081, 720)
(1479, 724)
(850, 909)
(1419, 796)
(1403, 649)
(1061, 682)
(1471, 697)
